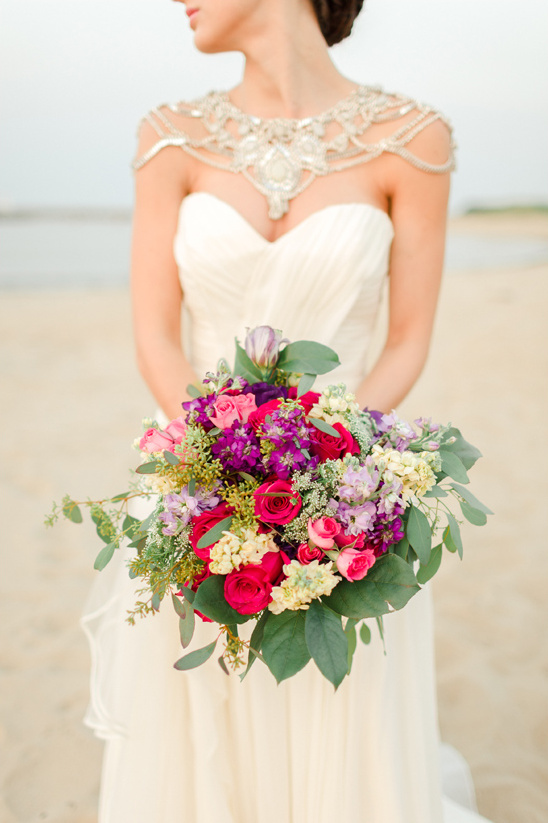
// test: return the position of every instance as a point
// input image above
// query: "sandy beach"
(72, 404)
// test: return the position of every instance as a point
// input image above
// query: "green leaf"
(365, 634)
(473, 515)
(390, 582)
(323, 426)
(307, 357)
(149, 467)
(284, 646)
(427, 571)
(118, 497)
(186, 619)
(350, 632)
(222, 664)
(171, 458)
(188, 594)
(455, 533)
(448, 540)
(305, 384)
(245, 367)
(471, 498)
(71, 510)
(215, 533)
(256, 641)
(156, 601)
(193, 391)
(130, 526)
(195, 658)
(104, 557)
(327, 642)
(419, 533)
(192, 486)
(248, 477)
(401, 548)
(380, 626)
(436, 491)
(104, 526)
(467, 453)
(138, 544)
(452, 465)
(210, 600)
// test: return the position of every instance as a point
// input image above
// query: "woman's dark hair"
(336, 18)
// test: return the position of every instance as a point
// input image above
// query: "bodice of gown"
(320, 281)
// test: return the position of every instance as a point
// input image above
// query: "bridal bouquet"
(289, 507)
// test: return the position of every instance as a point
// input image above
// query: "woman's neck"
(289, 73)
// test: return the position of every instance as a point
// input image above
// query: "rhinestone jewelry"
(281, 157)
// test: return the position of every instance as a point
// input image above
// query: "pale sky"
(77, 76)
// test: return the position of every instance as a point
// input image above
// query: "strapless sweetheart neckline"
(319, 213)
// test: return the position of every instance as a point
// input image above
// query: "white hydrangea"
(303, 584)
(412, 469)
(231, 551)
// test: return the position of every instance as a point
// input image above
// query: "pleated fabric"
(201, 747)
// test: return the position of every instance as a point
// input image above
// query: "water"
(47, 253)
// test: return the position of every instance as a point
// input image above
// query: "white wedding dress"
(201, 747)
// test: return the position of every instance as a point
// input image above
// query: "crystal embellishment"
(281, 157)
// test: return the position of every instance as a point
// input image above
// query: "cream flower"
(413, 470)
(231, 551)
(302, 585)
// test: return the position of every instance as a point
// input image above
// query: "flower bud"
(262, 345)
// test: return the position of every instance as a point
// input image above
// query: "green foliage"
(171, 458)
(470, 498)
(256, 641)
(284, 646)
(419, 533)
(365, 634)
(185, 612)
(327, 642)
(150, 467)
(305, 384)
(429, 569)
(451, 536)
(210, 600)
(104, 557)
(452, 465)
(436, 491)
(473, 515)
(305, 356)
(390, 582)
(352, 640)
(215, 533)
(467, 453)
(103, 523)
(195, 658)
(193, 391)
(71, 510)
(324, 427)
(401, 549)
(245, 367)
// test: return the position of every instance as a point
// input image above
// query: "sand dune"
(72, 403)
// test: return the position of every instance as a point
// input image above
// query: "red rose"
(309, 399)
(203, 523)
(257, 418)
(276, 503)
(306, 554)
(352, 540)
(271, 564)
(329, 447)
(248, 590)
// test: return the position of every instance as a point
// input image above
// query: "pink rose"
(257, 417)
(154, 440)
(226, 411)
(354, 564)
(306, 554)
(329, 447)
(248, 590)
(353, 541)
(203, 523)
(271, 564)
(308, 399)
(176, 429)
(245, 404)
(323, 531)
(276, 502)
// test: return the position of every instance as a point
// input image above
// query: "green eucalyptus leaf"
(471, 498)
(195, 658)
(284, 646)
(130, 526)
(156, 601)
(192, 486)
(448, 540)
(428, 570)
(222, 664)
(352, 643)
(171, 458)
(401, 548)
(308, 357)
(324, 427)
(188, 594)
(245, 367)
(473, 515)
(150, 467)
(193, 391)
(104, 526)
(467, 453)
(455, 533)
(118, 497)
(327, 642)
(305, 384)
(365, 634)
(104, 557)
(210, 600)
(186, 619)
(419, 533)
(452, 465)
(390, 582)
(71, 510)
(256, 641)
(436, 491)
(215, 533)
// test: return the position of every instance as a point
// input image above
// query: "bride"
(285, 201)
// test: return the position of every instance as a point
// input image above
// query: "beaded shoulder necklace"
(281, 157)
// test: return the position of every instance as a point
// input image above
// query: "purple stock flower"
(385, 533)
(359, 484)
(238, 449)
(264, 392)
(356, 519)
(288, 432)
(181, 507)
(199, 410)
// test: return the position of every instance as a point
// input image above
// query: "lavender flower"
(358, 484)
(200, 409)
(385, 533)
(262, 346)
(180, 508)
(355, 519)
